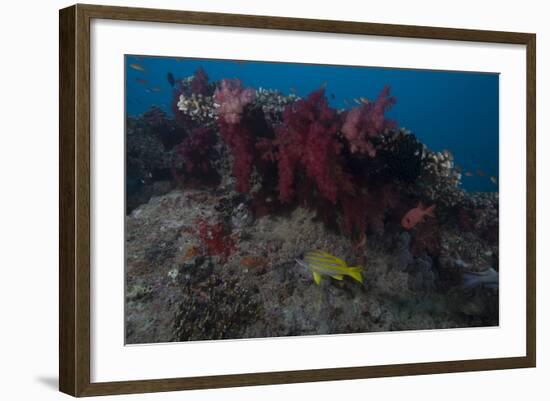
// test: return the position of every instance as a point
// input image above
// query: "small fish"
(332, 96)
(346, 102)
(487, 278)
(480, 172)
(171, 80)
(141, 81)
(416, 215)
(361, 100)
(293, 90)
(494, 180)
(324, 85)
(137, 67)
(156, 89)
(468, 174)
(241, 62)
(324, 264)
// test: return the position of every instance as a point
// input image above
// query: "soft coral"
(367, 121)
(231, 99)
(307, 146)
(196, 149)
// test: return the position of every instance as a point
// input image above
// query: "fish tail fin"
(355, 273)
(430, 210)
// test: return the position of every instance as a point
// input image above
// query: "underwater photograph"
(271, 199)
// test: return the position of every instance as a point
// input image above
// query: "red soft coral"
(307, 146)
(196, 149)
(362, 123)
(240, 140)
(199, 84)
(232, 99)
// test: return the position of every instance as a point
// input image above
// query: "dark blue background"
(457, 111)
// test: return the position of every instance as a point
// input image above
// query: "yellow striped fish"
(324, 264)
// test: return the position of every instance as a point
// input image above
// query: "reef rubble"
(176, 293)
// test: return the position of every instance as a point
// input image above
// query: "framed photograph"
(250, 200)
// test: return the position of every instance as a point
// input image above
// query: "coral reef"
(227, 193)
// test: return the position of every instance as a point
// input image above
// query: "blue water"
(457, 111)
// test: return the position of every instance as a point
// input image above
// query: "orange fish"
(416, 215)
(468, 174)
(480, 173)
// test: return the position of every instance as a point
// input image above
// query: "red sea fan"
(364, 122)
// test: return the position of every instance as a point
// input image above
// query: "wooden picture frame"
(74, 205)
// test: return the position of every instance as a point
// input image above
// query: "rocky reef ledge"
(250, 285)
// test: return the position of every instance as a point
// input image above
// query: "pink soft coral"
(231, 99)
(362, 123)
